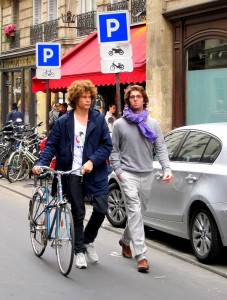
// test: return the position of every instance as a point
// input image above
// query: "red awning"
(83, 62)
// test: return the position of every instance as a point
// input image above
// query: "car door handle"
(158, 175)
(191, 178)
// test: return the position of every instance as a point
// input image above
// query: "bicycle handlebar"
(50, 170)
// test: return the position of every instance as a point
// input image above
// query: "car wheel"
(204, 235)
(116, 208)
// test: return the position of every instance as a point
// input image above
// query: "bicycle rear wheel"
(14, 167)
(65, 240)
(38, 230)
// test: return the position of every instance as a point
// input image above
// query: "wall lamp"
(68, 17)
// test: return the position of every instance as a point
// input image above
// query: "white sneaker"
(81, 261)
(91, 253)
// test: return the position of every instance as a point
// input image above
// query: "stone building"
(185, 63)
(186, 60)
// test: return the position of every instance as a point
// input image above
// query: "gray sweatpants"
(137, 190)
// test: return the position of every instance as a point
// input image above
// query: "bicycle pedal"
(55, 244)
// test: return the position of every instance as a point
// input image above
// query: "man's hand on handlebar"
(36, 170)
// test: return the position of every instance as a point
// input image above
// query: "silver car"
(194, 205)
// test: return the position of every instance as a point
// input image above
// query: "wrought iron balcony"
(36, 34)
(44, 32)
(138, 11)
(86, 23)
(50, 30)
(118, 6)
(14, 41)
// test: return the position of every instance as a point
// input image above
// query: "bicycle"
(48, 73)
(20, 161)
(57, 227)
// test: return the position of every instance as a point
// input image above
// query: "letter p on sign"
(47, 54)
(113, 27)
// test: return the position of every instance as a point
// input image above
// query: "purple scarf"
(140, 119)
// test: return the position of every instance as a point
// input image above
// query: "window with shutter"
(87, 6)
(52, 10)
(37, 11)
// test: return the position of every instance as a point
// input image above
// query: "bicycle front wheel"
(38, 230)
(65, 240)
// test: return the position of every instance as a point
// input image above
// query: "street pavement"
(26, 188)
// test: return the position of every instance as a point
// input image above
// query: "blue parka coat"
(97, 148)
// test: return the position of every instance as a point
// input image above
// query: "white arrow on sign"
(116, 66)
(115, 51)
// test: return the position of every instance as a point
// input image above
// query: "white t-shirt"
(79, 139)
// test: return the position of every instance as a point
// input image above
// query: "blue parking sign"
(48, 55)
(113, 27)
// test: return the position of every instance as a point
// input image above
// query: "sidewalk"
(26, 188)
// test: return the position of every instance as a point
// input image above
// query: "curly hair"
(78, 88)
(138, 88)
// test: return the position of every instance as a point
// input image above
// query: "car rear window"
(199, 147)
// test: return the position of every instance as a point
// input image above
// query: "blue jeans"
(100, 205)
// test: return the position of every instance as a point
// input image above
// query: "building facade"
(38, 21)
(63, 21)
(186, 54)
(186, 61)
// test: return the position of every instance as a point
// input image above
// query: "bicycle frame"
(22, 150)
(42, 223)
(56, 202)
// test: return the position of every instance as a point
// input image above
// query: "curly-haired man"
(80, 140)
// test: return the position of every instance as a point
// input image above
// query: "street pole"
(48, 104)
(118, 96)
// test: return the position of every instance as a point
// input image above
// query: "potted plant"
(9, 31)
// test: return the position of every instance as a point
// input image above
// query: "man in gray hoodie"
(135, 137)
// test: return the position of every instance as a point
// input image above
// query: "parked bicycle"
(118, 66)
(50, 219)
(21, 160)
(116, 50)
(10, 133)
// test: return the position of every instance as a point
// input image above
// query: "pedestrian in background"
(110, 116)
(14, 114)
(135, 137)
(63, 109)
(54, 114)
(80, 140)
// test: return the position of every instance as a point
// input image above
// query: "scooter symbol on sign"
(116, 50)
(119, 66)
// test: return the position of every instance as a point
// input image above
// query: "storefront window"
(206, 82)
